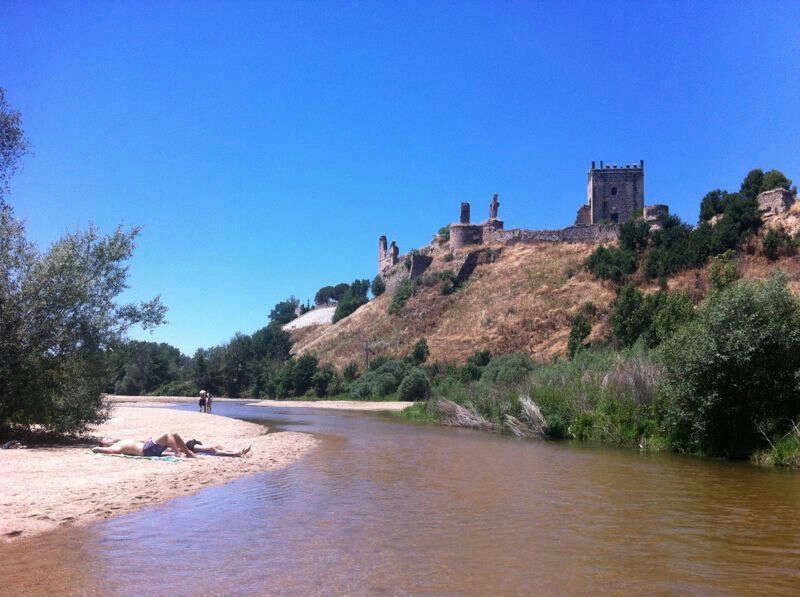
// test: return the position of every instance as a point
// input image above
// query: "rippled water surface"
(386, 507)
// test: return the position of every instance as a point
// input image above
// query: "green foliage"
(348, 305)
(138, 368)
(611, 263)
(350, 371)
(404, 292)
(652, 318)
(420, 352)
(732, 373)
(284, 312)
(378, 286)
(724, 270)
(448, 257)
(752, 184)
(777, 242)
(672, 310)
(305, 367)
(444, 232)
(631, 316)
(580, 330)
(415, 386)
(13, 144)
(176, 388)
(507, 369)
(420, 412)
(322, 380)
(712, 204)
(480, 358)
(774, 179)
(381, 381)
(58, 314)
(634, 235)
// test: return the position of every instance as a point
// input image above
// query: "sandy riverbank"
(334, 404)
(43, 488)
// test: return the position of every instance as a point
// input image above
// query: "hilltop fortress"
(615, 195)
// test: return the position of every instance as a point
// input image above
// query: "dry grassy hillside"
(523, 301)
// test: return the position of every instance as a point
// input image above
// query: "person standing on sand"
(202, 401)
(208, 402)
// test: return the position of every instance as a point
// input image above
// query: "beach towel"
(158, 458)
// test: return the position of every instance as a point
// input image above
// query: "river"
(389, 507)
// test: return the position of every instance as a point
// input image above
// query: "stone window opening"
(613, 190)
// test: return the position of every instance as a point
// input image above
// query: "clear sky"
(264, 147)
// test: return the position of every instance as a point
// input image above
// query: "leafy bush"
(634, 235)
(732, 373)
(420, 351)
(631, 315)
(580, 330)
(507, 369)
(724, 270)
(404, 292)
(378, 286)
(611, 263)
(379, 382)
(776, 243)
(350, 371)
(444, 232)
(415, 386)
(321, 380)
(349, 303)
(480, 359)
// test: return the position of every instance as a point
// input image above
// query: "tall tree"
(13, 144)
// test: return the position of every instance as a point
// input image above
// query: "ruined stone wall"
(462, 235)
(775, 202)
(573, 234)
(615, 193)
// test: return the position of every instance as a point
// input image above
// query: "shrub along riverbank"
(724, 383)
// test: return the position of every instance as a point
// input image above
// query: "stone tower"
(615, 194)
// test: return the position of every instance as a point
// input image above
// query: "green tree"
(13, 143)
(634, 235)
(776, 242)
(303, 373)
(612, 263)
(350, 371)
(284, 311)
(631, 316)
(378, 286)
(580, 330)
(724, 270)
(774, 179)
(420, 351)
(415, 386)
(752, 184)
(58, 316)
(732, 373)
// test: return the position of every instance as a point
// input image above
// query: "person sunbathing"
(197, 447)
(149, 447)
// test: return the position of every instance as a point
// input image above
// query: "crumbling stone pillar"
(464, 219)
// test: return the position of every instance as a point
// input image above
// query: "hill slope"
(522, 301)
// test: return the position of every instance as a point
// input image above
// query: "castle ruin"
(615, 195)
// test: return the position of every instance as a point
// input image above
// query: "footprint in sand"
(13, 533)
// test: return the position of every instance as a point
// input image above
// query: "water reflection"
(384, 507)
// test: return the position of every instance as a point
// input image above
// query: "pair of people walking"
(205, 401)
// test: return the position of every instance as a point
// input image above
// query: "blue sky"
(263, 147)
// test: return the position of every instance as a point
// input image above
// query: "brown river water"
(385, 507)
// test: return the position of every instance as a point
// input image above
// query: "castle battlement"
(604, 167)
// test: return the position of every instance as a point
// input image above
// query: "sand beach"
(46, 487)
